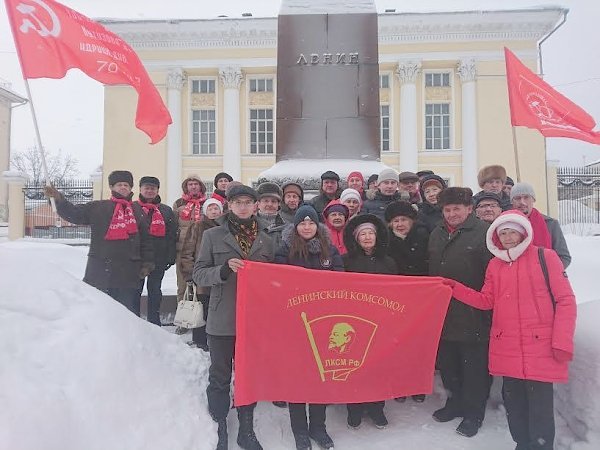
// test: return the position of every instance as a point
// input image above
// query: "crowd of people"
(512, 313)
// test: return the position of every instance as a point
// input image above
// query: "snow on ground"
(86, 374)
(80, 372)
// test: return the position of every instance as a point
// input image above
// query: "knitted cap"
(211, 201)
(119, 176)
(306, 212)
(293, 187)
(520, 189)
(372, 179)
(513, 226)
(387, 174)
(350, 193)
(364, 226)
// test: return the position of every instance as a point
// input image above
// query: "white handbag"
(190, 311)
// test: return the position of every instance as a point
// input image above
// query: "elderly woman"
(429, 211)
(366, 239)
(306, 243)
(531, 339)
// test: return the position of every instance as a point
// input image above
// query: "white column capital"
(467, 70)
(231, 76)
(407, 71)
(175, 78)
(15, 177)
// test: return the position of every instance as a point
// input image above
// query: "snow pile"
(583, 270)
(79, 371)
(578, 402)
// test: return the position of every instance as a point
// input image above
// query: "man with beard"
(330, 190)
(120, 249)
(162, 228)
(293, 198)
(223, 251)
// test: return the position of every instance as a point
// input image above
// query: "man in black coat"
(387, 192)
(162, 229)
(120, 249)
(457, 250)
(330, 190)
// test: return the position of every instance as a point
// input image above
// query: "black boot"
(222, 433)
(302, 441)
(246, 438)
(469, 427)
(447, 413)
(320, 436)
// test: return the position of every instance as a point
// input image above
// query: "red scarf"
(157, 224)
(541, 235)
(123, 221)
(193, 207)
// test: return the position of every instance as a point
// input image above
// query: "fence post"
(96, 178)
(552, 186)
(16, 203)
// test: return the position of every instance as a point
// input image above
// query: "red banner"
(333, 337)
(51, 39)
(535, 104)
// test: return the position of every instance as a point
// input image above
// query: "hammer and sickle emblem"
(39, 26)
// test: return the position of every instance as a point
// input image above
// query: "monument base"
(307, 172)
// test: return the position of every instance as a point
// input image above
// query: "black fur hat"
(150, 180)
(399, 208)
(456, 196)
(118, 176)
(222, 175)
(330, 175)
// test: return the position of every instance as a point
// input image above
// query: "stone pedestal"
(16, 203)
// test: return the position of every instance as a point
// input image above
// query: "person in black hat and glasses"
(223, 251)
(162, 228)
(121, 251)
(330, 190)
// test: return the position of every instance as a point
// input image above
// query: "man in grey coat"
(546, 230)
(222, 253)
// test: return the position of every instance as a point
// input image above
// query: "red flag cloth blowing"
(535, 104)
(51, 39)
(313, 336)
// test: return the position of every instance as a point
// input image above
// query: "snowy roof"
(289, 7)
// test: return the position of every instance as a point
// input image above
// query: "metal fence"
(42, 222)
(579, 199)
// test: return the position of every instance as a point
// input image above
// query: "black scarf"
(244, 231)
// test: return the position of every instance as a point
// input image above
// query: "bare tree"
(60, 167)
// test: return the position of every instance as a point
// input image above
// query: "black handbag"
(546, 276)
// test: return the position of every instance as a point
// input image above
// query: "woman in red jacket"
(531, 339)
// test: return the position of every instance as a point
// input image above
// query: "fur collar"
(493, 242)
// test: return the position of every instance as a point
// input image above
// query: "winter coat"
(505, 202)
(356, 260)
(429, 215)
(287, 214)
(462, 256)
(559, 244)
(164, 247)
(525, 326)
(191, 251)
(217, 247)
(273, 228)
(178, 206)
(314, 260)
(411, 254)
(321, 201)
(378, 204)
(110, 264)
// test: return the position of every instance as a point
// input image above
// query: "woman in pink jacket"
(531, 339)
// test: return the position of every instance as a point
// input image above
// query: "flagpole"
(41, 148)
(517, 167)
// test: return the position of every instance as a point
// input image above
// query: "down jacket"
(525, 327)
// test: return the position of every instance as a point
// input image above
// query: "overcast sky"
(70, 111)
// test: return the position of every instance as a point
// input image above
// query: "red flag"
(51, 39)
(312, 336)
(535, 104)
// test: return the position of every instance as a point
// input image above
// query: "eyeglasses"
(239, 203)
(488, 206)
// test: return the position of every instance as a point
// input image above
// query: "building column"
(96, 178)
(16, 203)
(407, 72)
(467, 71)
(175, 82)
(231, 77)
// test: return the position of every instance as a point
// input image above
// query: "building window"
(261, 131)
(203, 86)
(204, 132)
(384, 81)
(437, 79)
(385, 128)
(437, 126)
(261, 85)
